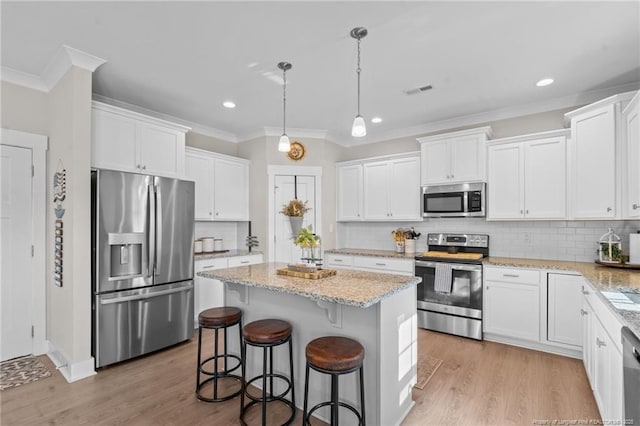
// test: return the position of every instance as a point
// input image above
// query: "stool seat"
(335, 353)
(266, 331)
(219, 317)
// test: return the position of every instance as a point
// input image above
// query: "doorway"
(22, 236)
(285, 184)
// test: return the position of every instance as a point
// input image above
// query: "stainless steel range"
(450, 295)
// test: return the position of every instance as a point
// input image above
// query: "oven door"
(465, 298)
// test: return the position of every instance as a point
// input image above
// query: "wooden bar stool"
(218, 319)
(267, 334)
(336, 356)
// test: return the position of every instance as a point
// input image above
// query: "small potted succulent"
(295, 210)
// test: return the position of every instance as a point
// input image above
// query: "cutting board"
(446, 255)
(322, 273)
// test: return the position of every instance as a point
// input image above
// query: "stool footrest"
(220, 373)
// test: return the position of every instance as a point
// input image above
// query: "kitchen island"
(378, 310)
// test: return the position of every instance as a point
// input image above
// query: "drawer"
(339, 260)
(512, 275)
(245, 260)
(384, 264)
(210, 264)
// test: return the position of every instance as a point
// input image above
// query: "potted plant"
(295, 210)
(309, 243)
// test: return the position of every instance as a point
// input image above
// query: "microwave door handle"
(465, 201)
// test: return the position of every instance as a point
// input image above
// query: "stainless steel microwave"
(458, 200)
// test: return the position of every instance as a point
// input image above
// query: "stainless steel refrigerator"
(142, 264)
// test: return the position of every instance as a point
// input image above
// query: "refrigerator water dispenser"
(126, 254)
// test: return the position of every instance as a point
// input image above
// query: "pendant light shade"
(284, 145)
(359, 129)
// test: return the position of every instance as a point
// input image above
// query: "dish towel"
(444, 277)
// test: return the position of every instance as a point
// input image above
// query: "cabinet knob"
(583, 312)
(217, 213)
(585, 292)
(609, 209)
(487, 287)
(521, 211)
(144, 167)
(527, 211)
(635, 207)
(210, 213)
(137, 166)
(452, 176)
(358, 214)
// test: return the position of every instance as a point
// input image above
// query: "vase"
(296, 225)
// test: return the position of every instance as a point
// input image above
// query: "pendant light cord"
(284, 102)
(358, 72)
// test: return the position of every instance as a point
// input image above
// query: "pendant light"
(359, 129)
(284, 145)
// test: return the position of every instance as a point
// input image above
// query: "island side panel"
(398, 351)
(310, 321)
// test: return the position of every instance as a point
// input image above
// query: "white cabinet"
(512, 303)
(392, 189)
(209, 293)
(528, 176)
(132, 142)
(221, 185)
(454, 157)
(387, 265)
(564, 295)
(596, 154)
(632, 118)
(349, 192)
(602, 356)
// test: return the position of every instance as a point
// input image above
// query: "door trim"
(38, 144)
(272, 171)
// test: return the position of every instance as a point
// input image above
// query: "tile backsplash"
(227, 231)
(559, 240)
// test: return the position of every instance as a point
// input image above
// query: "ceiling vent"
(418, 90)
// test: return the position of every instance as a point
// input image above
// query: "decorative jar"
(610, 247)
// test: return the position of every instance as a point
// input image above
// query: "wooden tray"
(619, 265)
(322, 273)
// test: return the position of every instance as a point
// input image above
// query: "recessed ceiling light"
(228, 104)
(544, 82)
(376, 120)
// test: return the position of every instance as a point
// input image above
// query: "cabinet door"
(199, 168)
(349, 192)
(587, 337)
(512, 310)
(545, 180)
(376, 190)
(467, 158)
(404, 189)
(593, 161)
(633, 159)
(208, 293)
(436, 167)
(113, 142)
(564, 307)
(231, 190)
(505, 182)
(161, 150)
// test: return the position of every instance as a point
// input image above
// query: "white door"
(545, 180)
(16, 235)
(436, 166)
(199, 168)
(376, 191)
(286, 188)
(230, 190)
(404, 189)
(349, 192)
(505, 179)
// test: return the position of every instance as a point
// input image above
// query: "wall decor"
(297, 151)
(59, 194)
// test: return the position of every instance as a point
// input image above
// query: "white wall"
(559, 240)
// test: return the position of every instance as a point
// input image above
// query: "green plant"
(306, 238)
(616, 253)
(295, 208)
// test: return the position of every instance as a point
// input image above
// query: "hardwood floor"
(478, 383)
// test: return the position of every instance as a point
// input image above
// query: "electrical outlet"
(527, 238)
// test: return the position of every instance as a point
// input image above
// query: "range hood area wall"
(558, 240)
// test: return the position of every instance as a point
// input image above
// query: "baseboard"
(536, 346)
(71, 371)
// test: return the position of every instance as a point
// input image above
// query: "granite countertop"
(230, 253)
(372, 253)
(348, 287)
(601, 278)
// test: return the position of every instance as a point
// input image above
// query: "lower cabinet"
(602, 356)
(388, 265)
(209, 293)
(564, 296)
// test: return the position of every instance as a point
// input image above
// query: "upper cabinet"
(380, 189)
(454, 157)
(527, 176)
(632, 118)
(133, 142)
(596, 157)
(222, 185)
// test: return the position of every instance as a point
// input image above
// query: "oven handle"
(454, 266)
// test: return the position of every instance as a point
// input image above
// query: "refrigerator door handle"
(151, 243)
(144, 296)
(158, 230)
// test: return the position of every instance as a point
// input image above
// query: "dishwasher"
(631, 362)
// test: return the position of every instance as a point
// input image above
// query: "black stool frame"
(270, 375)
(334, 403)
(215, 374)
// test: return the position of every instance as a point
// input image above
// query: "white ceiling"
(184, 59)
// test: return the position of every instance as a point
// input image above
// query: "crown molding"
(499, 114)
(62, 61)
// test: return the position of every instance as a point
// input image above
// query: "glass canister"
(610, 247)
